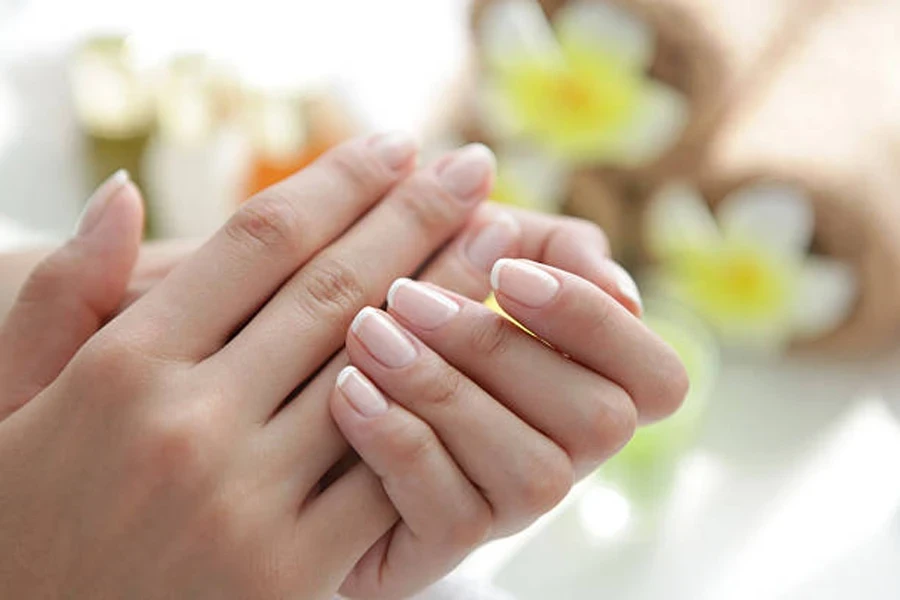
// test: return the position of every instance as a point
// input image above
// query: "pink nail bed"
(524, 282)
(422, 306)
(383, 339)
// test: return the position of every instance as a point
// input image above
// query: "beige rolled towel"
(828, 125)
(708, 51)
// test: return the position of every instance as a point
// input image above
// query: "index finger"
(206, 298)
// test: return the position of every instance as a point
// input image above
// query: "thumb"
(69, 296)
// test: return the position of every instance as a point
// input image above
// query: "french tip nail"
(93, 210)
(399, 283)
(495, 272)
(627, 286)
(345, 373)
(468, 171)
(360, 317)
(395, 148)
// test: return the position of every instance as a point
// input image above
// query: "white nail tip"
(360, 317)
(394, 287)
(495, 272)
(345, 374)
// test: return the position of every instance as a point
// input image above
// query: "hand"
(463, 265)
(476, 427)
(158, 464)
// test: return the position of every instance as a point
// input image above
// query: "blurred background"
(743, 157)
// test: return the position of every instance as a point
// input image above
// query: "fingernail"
(626, 285)
(489, 245)
(395, 149)
(524, 282)
(362, 393)
(97, 203)
(421, 305)
(468, 171)
(383, 339)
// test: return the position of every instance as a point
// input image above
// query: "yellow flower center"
(747, 279)
(737, 284)
(581, 108)
(574, 94)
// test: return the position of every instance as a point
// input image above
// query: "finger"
(203, 301)
(586, 414)
(521, 472)
(347, 519)
(443, 516)
(498, 232)
(585, 323)
(70, 294)
(305, 323)
(304, 437)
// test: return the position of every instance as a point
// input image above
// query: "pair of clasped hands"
(184, 425)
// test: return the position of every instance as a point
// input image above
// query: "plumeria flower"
(747, 270)
(577, 88)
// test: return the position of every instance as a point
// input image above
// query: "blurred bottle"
(114, 105)
(197, 160)
(290, 129)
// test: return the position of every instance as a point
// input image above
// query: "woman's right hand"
(158, 464)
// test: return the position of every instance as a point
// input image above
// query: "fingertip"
(362, 396)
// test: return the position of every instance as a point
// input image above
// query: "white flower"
(578, 90)
(748, 270)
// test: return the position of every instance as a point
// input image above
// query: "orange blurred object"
(293, 132)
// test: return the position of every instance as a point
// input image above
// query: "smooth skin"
(182, 444)
(492, 424)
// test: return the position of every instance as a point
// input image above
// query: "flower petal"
(496, 115)
(826, 294)
(512, 31)
(607, 26)
(658, 124)
(677, 219)
(535, 180)
(777, 214)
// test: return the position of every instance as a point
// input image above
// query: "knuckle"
(546, 484)
(470, 526)
(331, 287)
(424, 205)
(269, 221)
(177, 448)
(610, 423)
(491, 336)
(600, 308)
(444, 385)
(112, 360)
(409, 446)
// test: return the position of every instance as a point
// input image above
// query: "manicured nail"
(524, 282)
(362, 393)
(626, 285)
(97, 203)
(395, 149)
(421, 305)
(383, 339)
(468, 171)
(490, 243)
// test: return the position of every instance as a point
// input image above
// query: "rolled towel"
(824, 132)
(651, 81)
